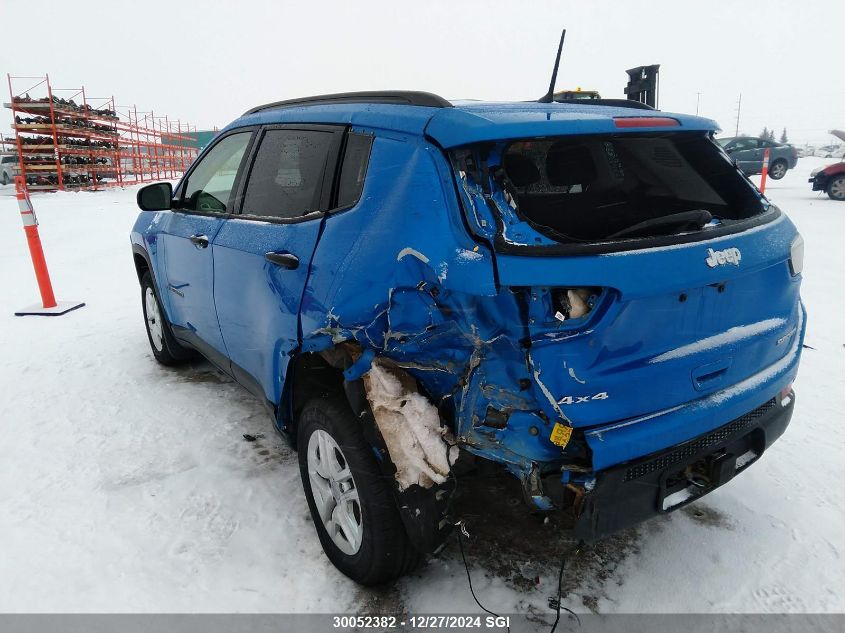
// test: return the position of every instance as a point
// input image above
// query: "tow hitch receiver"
(658, 484)
(697, 478)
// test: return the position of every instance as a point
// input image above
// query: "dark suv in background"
(748, 152)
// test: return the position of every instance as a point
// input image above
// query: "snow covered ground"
(126, 486)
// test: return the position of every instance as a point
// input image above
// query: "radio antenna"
(550, 95)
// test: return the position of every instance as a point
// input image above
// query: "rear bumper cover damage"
(665, 481)
(819, 181)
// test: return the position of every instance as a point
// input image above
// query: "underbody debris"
(421, 449)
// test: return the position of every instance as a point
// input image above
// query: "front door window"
(209, 186)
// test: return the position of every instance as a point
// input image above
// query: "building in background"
(200, 138)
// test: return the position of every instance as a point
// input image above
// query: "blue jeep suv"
(590, 294)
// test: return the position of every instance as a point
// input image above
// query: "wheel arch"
(178, 349)
(315, 374)
(142, 263)
(309, 375)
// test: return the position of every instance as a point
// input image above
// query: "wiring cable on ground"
(556, 604)
(462, 533)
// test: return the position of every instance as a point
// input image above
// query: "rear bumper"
(664, 481)
(629, 440)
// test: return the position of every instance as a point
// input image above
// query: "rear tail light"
(785, 395)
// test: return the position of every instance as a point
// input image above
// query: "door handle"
(200, 241)
(285, 260)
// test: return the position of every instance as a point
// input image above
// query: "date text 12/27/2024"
(459, 622)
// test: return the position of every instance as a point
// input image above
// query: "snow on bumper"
(623, 441)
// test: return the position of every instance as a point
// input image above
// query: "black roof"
(398, 97)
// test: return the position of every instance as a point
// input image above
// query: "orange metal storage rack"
(79, 142)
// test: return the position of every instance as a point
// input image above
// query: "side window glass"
(287, 175)
(354, 169)
(210, 183)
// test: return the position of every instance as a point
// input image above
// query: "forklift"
(642, 87)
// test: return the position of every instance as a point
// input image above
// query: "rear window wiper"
(685, 220)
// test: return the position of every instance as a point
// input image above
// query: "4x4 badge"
(719, 258)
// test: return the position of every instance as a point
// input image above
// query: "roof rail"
(397, 97)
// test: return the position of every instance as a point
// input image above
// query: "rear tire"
(836, 188)
(165, 348)
(351, 502)
(778, 169)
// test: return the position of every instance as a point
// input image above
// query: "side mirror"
(155, 197)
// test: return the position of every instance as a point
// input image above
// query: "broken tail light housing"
(785, 395)
(573, 303)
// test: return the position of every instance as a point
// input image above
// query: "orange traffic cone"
(49, 306)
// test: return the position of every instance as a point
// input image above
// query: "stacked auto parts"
(76, 142)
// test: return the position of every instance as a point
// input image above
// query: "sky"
(206, 63)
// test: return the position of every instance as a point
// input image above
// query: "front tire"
(351, 502)
(165, 348)
(836, 188)
(778, 169)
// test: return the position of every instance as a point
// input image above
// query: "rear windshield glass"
(599, 188)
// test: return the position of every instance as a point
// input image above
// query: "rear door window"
(286, 180)
(744, 144)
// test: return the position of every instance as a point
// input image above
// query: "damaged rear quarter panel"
(399, 274)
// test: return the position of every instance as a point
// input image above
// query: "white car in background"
(8, 168)
(830, 151)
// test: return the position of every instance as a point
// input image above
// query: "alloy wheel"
(335, 493)
(837, 189)
(153, 316)
(778, 171)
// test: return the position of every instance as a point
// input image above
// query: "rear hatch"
(664, 327)
(653, 272)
